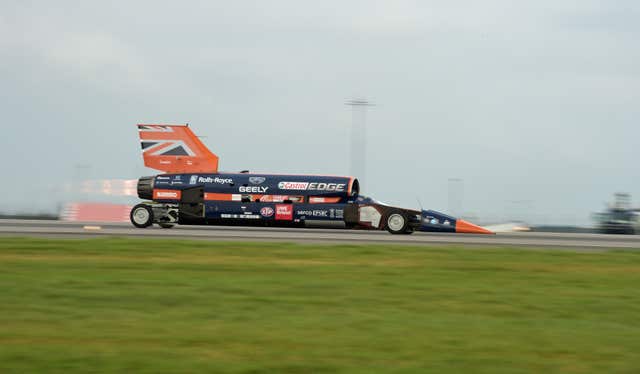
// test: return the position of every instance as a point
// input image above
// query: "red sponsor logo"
(320, 200)
(284, 212)
(293, 185)
(166, 194)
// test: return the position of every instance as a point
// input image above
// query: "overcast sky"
(535, 105)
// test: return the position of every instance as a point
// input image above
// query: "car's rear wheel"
(397, 222)
(141, 216)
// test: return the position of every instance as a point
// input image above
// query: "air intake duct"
(145, 188)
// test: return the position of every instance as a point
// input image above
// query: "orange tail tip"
(463, 226)
(175, 149)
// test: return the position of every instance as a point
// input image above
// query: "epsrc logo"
(314, 213)
(313, 186)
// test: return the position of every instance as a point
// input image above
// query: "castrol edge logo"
(293, 185)
(313, 186)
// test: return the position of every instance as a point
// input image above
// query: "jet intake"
(145, 188)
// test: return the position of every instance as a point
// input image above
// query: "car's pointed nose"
(463, 226)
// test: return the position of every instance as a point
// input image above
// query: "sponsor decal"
(257, 180)
(336, 213)
(163, 180)
(253, 189)
(212, 196)
(284, 212)
(166, 194)
(370, 215)
(240, 216)
(314, 213)
(177, 177)
(280, 198)
(323, 200)
(313, 186)
(267, 211)
(327, 186)
(193, 179)
(215, 180)
(293, 185)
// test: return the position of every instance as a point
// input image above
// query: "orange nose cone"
(463, 226)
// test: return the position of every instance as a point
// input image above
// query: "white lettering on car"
(215, 180)
(253, 189)
(313, 186)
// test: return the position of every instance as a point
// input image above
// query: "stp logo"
(267, 211)
(284, 212)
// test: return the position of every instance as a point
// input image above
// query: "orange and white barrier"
(96, 212)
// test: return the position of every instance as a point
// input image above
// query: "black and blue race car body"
(188, 194)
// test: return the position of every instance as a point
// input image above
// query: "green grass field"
(155, 306)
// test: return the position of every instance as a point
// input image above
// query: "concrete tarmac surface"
(62, 229)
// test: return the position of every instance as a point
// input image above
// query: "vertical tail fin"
(175, 149)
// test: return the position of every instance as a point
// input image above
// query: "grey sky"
(535, 101)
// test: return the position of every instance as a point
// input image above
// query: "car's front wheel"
(397, 222)
(141, 216)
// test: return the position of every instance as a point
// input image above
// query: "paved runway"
(82, 229)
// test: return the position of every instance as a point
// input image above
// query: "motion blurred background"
(495, 110)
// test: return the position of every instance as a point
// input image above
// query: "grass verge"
(133, 305)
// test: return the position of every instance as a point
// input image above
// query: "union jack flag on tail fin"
(175, 149)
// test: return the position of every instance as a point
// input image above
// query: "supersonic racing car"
(193, 192)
